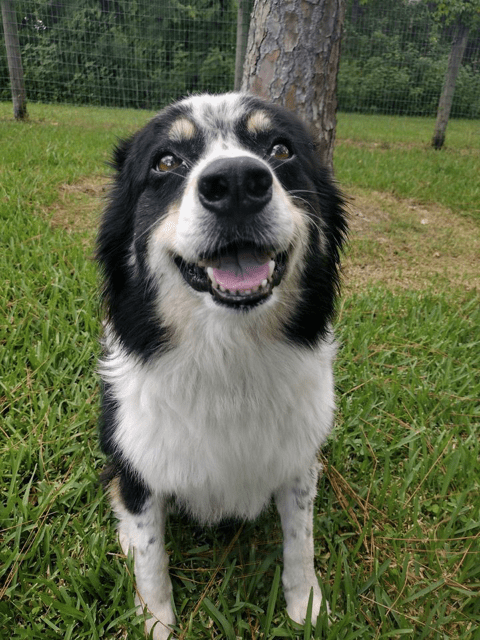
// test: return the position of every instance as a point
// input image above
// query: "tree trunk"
(445, 103)
(292, 59)
(14, 58)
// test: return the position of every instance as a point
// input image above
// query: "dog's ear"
(120, 153)
(127, 297)
(116, 228)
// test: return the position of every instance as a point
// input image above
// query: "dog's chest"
(220, 430)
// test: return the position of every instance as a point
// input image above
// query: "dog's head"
(220, 204)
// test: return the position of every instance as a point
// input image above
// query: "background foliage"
(143, 54)
(122, 53)
(394, 59)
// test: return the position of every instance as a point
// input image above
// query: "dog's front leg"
(142, 534)
(295, 504)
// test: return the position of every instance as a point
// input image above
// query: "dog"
(220, 254)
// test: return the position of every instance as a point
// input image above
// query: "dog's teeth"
(222, 288)
(247, 292)
(271, 268)
(212, 277)
(264, 284)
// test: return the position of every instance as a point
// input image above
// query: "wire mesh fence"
(143, 54)
(394, 60)
(122, 53)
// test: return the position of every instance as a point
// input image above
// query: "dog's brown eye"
(168, 162)
(280, 151)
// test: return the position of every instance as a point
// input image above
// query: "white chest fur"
(221, 424)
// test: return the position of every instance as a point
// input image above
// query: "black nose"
(235, 187)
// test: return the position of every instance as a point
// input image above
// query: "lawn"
(394, 155)
(397, 524)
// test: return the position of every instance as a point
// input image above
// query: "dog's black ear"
(120, 153)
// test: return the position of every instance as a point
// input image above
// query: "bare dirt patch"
(394, 242)
(79, 205)
(404, 244)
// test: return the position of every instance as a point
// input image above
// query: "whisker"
(302, 191)
(179, 175)
(282, 163)
(308, 204)
(187, 162)
(148, 229)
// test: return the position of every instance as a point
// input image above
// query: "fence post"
(446, 99)
(14, 58)
(241, 43)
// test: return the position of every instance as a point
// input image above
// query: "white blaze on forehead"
(212, 112)
(217, 116)
(182, 129)
(225, 146)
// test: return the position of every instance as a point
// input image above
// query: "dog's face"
(221, 204)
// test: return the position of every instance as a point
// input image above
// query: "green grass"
(397, 525)
(56, 145)
(394, 154)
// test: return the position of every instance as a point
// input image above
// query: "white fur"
(222, 420)
(295, 506)
(143, 537)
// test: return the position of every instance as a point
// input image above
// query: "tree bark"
(445, 103)
(14, 58)
(292, 59)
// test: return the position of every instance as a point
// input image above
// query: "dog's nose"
(235, 187)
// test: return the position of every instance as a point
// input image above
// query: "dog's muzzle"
(241, 274)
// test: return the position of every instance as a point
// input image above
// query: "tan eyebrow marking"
(182, 129)
(259, 122)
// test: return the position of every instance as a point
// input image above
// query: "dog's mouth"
(238, 276)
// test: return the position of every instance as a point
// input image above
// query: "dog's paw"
(160, 630)
(160, 621)
(298, 599)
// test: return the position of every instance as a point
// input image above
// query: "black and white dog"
(220, 255)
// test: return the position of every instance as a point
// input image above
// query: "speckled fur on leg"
(142, 535)
(295, 505)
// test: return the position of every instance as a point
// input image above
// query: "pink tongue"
(239, 273)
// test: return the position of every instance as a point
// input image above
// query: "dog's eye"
(280, 151)
(168, 162)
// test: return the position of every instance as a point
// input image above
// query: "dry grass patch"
(402, 244)
(79, 205)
